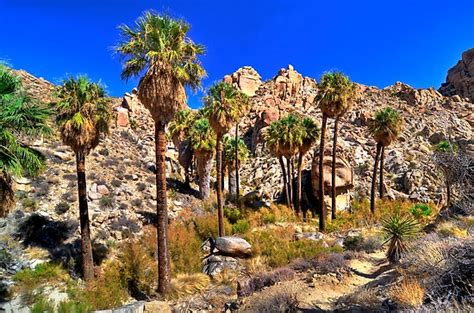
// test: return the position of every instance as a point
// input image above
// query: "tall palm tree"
(385, 127)
(244, 104)
(222, 106)
(159, 51)
(232, 160)
(203, 142)
(19, 114)
(283, 138)
(83, 116)
(310, 135)
(335, 97)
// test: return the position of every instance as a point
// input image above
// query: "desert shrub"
(30, 204)
(279, 301)
(44, 273)
(241, 227)
(207, 226)
(185, 248)
(268, 218)
(42, 304)
(409, 293)
(62, 207)
(232, 214)
(421, 211)
(449, 229)
(326, 263)
(361, 300)
(106, 202)
(188, 284)
(360, 243)
(265, 279)
(137, 268)
(72, 307)
(263, 216)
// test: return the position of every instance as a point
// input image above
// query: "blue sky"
(374, 42)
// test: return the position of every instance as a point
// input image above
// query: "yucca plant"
(335, 96)
(398, 230)
(159, 51)
(19, 114)
(385, 127)
(446, 151)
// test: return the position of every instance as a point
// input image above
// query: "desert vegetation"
(197, 242)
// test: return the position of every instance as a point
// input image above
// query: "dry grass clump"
(450, 229)
(280, 301)
(363, 300)
(410, 293)
(188, 284)
(262, 280)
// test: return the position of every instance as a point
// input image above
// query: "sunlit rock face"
(460, 78)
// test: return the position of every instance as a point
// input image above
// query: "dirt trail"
(322, 293)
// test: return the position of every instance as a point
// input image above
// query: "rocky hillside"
(460, 78)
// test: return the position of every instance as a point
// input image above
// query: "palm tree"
(385, 127)
(222, 106)
(84, 114)
(203, 142)
(179, 129)
(398, 230)
(310, 135)
(243, 102)
(335, 96)
(233, 160)
(159, 50)
(19, 114)
(283, 138)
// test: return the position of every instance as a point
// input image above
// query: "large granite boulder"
(344, 174)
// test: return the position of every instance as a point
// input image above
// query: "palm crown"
(230, 145)
(180, 125)
(159, 48)
(285, 135)
(223, 104)
(19, 115)
(386, 126)
(84, 113)
(336, 93)
(202, 137)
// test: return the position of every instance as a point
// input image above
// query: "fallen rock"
(233, 246)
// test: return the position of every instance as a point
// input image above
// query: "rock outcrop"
(460, 78)
(246, 79)
(36, 87)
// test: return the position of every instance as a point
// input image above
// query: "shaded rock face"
(344, 177)
(460, 78)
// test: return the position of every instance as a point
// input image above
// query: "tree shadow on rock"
(181, 187)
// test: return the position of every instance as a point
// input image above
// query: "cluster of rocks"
(37, 88)
(460, 79)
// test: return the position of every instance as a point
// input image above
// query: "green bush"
(207, 226)
(62, 207)
(241, 227)
(29, 203)
(28, 279)
(268, 218)
(421, 210)
(42, 304)
(232, 214)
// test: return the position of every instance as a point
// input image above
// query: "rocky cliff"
(460, 78)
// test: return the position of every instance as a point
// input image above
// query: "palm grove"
(158, 51)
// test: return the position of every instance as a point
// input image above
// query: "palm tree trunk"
(285, 183)
(232, 181)
(382, 153)
(237, 175)
(290, 181)
(86, 245)
(220, 209)
(322, 215)
(374, 179)
(333, 169)
(298, 189)
(204, 174)
(448, 194)
(161, 209)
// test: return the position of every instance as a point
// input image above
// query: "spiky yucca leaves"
(386, 126)
(158, 49)
(203, 141)
(19, 114)
(84, 113)
(398, 230)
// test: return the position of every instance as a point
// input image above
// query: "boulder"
(233, 246)
(460, 78)
(157, 306)
(246, 79)
(344, 174)
(215, 264)
(122, 117)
